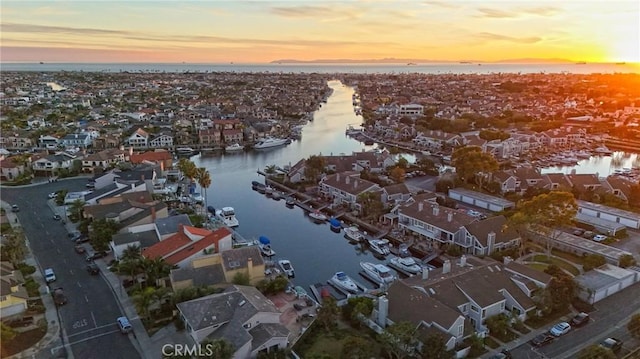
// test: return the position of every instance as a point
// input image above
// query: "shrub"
(26, 269)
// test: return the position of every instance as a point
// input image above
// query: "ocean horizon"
(356, 68)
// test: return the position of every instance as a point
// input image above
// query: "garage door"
(12, 310)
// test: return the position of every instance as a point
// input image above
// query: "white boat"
(268, 190)
(290, 201)
(603, 150)
(407, 264)
(185, 151)
(197, 198)
(354, 234)
(234, 147)
(266, 250)
(286, 267)
(276, 195)
(344, 282)
(317, 216)
(271, 142)
(379, 246)
(379, 273)
(228, 216)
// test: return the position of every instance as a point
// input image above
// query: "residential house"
(619, 187)
(48, 142)
(584, 182)
(210, 137)
(127, 213)
(395, 194)
(50, 165)
(10, 169)
(138, 139)
(139, 239)
(161, 157)
(344, 188)
(103, 160)
(161, 140)
(411, 110)
(241, 315)
(437, 140)
(13, 294)
(16, 140)
(296, 173)
(488, 236)
(557, 182)
(82, 140)
(168, 226)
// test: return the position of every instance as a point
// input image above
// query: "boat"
(228, 216)
(379, 246)
(211, 210)
(184, 151)
(603, 150)
(271, 142)
(276, 195)
(317, 216)
(257, 186)
(268, 190)
(265, 247)
(407, 264)
(197, 197)
(234, 148)
(290, 202)
(286, 267)
(354, 234)
(379, 273)
(335, 224)
(344, 282)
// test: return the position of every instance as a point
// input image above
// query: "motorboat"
(335, 225)
(379, 273)
(276, 195)
(185, 151)
(603, 150)
(379, 246)
(407, 264)
(344, 282)
(265, 247)
(286, 267)
(197, 197)
(354, 234)
(290, 202)
(268, 190)
(317, 216)
(257, 186)
(211, 210)
(234, 148)
(271, 142)
(228, 216)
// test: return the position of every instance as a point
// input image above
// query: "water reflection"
(602, 165)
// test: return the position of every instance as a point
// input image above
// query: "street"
(88, 320)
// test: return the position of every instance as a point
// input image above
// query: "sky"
(212, 31)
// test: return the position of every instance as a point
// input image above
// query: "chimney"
(463, 261)
(338, 177)
(491, 241)
(347, 180)
(425, 273)
(383, 311)
(506, 260)
(355, 184)
(436, 210)
(446, 267)
(420, 206)
(153, 213)
(250, 266)
(449, 216)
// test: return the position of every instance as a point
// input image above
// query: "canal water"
(315, 252)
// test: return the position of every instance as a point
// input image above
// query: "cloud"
(519, 40)
(322, 13)
(30, 28)
(542, 10)
(53, 11)
(443, 4)
(495, 13)
(504, 14)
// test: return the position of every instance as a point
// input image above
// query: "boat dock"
(398, 269)
(317, 288)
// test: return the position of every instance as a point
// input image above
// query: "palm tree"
(131, 253)
(204, 180)
(143, 300)
(156, 268)
(187, 167)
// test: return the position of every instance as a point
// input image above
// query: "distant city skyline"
(265, 31)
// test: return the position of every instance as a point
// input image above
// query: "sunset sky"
(263, 31)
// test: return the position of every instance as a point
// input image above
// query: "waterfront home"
(210, 137)
(395, 194)
(160, 157)
(488, 236)
(138, 139)
(13, 294)
(161, 140)
(619, 187)
(344, 188)
(168, 226)
(240, 315)
(584, 181)
(436, 139)
(103, 160)
(433, 223)
(296, 173)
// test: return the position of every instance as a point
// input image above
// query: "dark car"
(92, 256)
(542, 339)
(15, 208)
(580, 319)
(82, 238)
(80, 249)
(58, 296)
(612, 343)
(93, 269)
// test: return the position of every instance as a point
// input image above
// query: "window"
(460, 330)
(502, 306)
(475, 309)
(484, 313)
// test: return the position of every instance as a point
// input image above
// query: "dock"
(400, 270)
(317, 288)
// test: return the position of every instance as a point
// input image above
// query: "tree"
(131, 253)
(634, 326)
(397, 174)
(328, 313)
(595, 351)
(143, 300)
(241, 278)
(13, 246)
(187, 167)
(559, 294)
(592, 261)
(218, 349)
(371, 204)
(101, 232)
(314, 166)
(203, 177)
(626, 261)
(498, 324)
(357, 348)
(434, 347)
(444, 185)
(543, 214)
(155, 269)
(402, 163)
(356, 307)
(399, 339)
(471, 162)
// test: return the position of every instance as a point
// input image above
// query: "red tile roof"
(167, 246)
(151, 156)
(196, 247)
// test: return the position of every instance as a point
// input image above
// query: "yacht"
(228, 216)
(379, 273)
(286, 267)
(271, 142)
(379, 246)
(234, 148)
(344, 282)
(185, 151)
(353, 234)
(407, 264)
(197, 197)
(317, 216)
(290, 202)
(266, 250)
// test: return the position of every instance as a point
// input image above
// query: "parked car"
(58, 296)
(578, 232)
(542, 339)
(80, 249)
(52, 195)
(599, 237)
(504, 354)
(612, 343)
(49, 275)
(559, 329)
(93, 269)
(56, 217)
(15, 208)
(124, 325)
(580, 319)
(588, 234)
(81, 238)
(91, 256)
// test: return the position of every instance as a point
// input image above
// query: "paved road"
(88, 319)
(610, 319)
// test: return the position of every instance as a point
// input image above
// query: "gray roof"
(202, 276)
(265, 331)
(146, 238)
(482, 196)
(98, 193)
(497, 225)
(238, 257)
(169, 225)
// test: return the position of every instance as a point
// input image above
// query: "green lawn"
(559, 262)
(330, 343)
(490, 342)
(538, 266)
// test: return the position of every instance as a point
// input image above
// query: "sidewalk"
(51, 311)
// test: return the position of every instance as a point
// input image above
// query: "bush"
(26, 269)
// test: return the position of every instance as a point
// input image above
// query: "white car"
(52, 195)
(560, 329)
(599, 237)
(49, 276)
